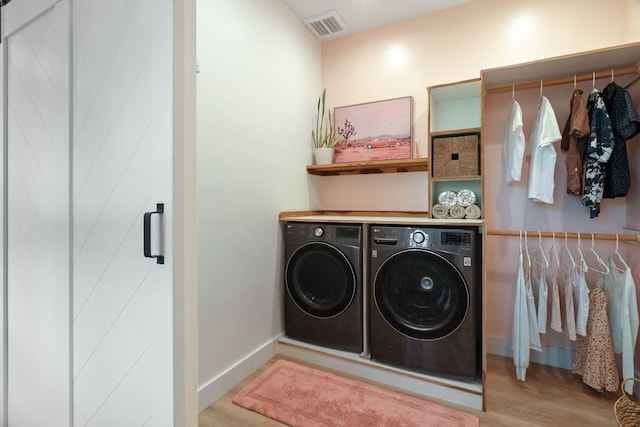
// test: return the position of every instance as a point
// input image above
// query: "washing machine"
(425, 308)
(323, 284)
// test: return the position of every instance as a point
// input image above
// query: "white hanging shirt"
(544, 134)
(513, 145)
(630, 322)
(613, 285)
(520, 333)
(543, 296)
(582, 303)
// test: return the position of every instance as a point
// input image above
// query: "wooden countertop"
(373, 217)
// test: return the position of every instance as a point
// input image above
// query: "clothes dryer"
(323, 284)
(425, 308)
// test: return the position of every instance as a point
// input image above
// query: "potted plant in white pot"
(323, 136)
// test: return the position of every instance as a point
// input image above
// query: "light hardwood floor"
(549, 397)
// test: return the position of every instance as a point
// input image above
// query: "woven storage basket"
(455, 156)
(626, 408)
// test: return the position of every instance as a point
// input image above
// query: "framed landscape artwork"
(378, 130)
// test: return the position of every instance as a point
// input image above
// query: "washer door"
(320, 280)
(421, 294)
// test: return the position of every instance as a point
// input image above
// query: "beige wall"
(633, 17)
(453, 45)
(259, 69)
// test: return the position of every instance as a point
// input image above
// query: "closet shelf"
(378, 166)
(635, 69)
(622, 59)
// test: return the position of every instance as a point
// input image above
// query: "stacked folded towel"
(456, 212)
(456, 205)
(472, 212)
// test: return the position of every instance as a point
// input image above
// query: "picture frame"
(379, 130)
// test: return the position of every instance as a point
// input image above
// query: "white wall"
(257, 87)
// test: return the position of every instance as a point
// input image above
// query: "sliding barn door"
(38, 214)
(89, 138)
(122, 322)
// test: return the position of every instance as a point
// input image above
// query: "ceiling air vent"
(326, 25)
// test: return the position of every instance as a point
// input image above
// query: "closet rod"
(628, 85)
(566, 80)
(635, 238)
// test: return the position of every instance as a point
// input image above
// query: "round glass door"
(421, 294)
(320, 280)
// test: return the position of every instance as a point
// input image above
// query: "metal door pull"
(147, 233)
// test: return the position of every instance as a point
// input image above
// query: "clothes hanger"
(526, 251)
(594, 81)
(620, 259)
(579, 257)
(566, 262)
(541, 86)
(513, 93)
(553, 251)
(539, 257)
(575, 85)
(612, 75)
(565, 249)
(520, 242)
(540, 260)
(604, 268)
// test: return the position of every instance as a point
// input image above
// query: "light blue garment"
(520, 332)
(630, 323)
(613, 286)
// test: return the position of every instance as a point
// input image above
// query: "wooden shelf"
(378, 166)
(454, 132)
(456, 178)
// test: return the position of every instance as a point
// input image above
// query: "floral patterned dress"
(594, 359)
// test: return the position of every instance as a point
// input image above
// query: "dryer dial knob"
(318, 232)
(418, 237)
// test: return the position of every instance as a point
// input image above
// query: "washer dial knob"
(418, 237)
(318, 232)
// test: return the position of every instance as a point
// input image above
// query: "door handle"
(147, 233)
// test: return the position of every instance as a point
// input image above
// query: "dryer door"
(320, 279)
(421, 294)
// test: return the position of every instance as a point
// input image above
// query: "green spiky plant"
(323, 134)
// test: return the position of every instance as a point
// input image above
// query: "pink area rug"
(305, 397)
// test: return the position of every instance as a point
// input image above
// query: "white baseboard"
(550, 356)
(472, 397)
(462, 393)
(217, 386)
